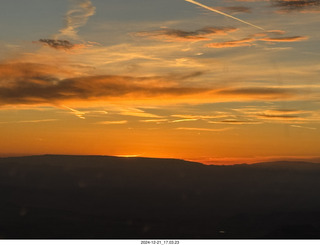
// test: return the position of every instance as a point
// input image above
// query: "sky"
(219, 82)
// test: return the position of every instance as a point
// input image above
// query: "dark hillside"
(108, 197)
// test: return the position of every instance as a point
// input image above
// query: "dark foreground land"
(108, 197)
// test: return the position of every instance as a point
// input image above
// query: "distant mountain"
(61, 196)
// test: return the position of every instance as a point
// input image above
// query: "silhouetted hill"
(56, 196)
(299, 165)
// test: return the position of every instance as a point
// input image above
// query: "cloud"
(261, 92)
(303, 127)
(302, 6)
(76, 18)
(285, 39)
(282, 114)
(235, 9)
(173, 35)
(158, 121)
(200, 117)
(76, 112)
(185, 120)
(279, 115)
(234, 121)
(113, 122)
(39, 84)
(33, 121)
(236, 43)
(276, 32)
(205, 129)
(24, 83)
(60, 44)
(11, 72)
(137, 113)
(252, 39)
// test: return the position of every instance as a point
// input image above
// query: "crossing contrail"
(219, 12)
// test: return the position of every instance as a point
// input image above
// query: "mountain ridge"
(56, 196)
(278, 163)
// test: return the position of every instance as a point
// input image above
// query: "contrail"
(219, 12)
(75, 112)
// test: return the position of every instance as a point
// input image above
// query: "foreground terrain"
(55, 196)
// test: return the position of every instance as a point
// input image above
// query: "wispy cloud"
(263, 92)
(31, 121)
(235, 121)
(285, 39)
(113, 122)
(76, 18)
(174, 35)
(135, 112)
(199, 116)
(302, 6)
(76, 112)
(185, 120)
(154, 121)
(60, 44)
(303, 127)
(278, 115)
(205, 129)
(269, 36)
(236, 43)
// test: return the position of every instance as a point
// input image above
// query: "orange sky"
(187, 83)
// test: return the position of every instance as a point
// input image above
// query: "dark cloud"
(236, 9)
(286, 6)
(59, 44)
(173, 35)
(32, 85)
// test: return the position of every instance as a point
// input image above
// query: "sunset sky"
(218, 82)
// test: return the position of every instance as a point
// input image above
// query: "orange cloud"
(248, 41)
(113, 122)
(173, 35)
(284, 39)
(35, 84)
(24, 83)
(258, 92)
(205, 129)
(237, 43)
